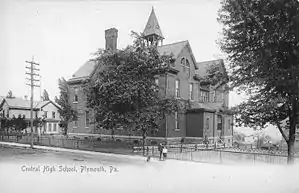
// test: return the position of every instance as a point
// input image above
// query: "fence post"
(195, 147)
(253, 158)
(49, 141)
(147, 150)
(153, 151)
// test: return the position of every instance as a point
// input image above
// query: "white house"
(10, 107)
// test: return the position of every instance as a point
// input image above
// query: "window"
(191, 93)
(177, 88)
(212, 99)
(53, 115)
(54, 127)
(46, 114)
(207, 123)
(76, 95)
(204, 96)
(219, 122)
(86, 118)
(75, 123)
(45, 127)
(50, 127)
(176, 120)
(157, 81)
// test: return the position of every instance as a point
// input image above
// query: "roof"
(45, 103)
(19, 103)
(204, 66)
(174, 48)
(212, 107)
(152, 26)
(85, 70)
(25, 104)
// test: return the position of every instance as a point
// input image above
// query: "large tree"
(124, 93)
(260, 38)
(67, 113)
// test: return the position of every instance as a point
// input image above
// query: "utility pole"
(32, 74)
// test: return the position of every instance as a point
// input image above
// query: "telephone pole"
(33, 73)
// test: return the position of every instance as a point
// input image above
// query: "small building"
(13, 107)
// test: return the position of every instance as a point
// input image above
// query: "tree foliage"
(261, 41)
(45, 96)
(124, 94)
(10, 95)
(67, 113)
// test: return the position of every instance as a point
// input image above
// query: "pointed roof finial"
(152, 26)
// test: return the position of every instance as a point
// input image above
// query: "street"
(27, 170)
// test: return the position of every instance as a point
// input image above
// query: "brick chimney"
(111, 39)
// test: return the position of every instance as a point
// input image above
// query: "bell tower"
(152, 32)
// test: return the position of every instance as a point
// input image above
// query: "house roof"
(212, 107)
(84, 70)
(21, 103)
(204, 66)
(87, 68)
(42, 104)
(174, 48)
(152, 26)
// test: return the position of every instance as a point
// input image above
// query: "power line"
(33, 74)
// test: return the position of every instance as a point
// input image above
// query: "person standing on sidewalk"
(164, 152)
(160, 149)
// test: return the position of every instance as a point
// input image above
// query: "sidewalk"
(19, 145)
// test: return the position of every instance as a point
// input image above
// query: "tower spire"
(152, 31)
